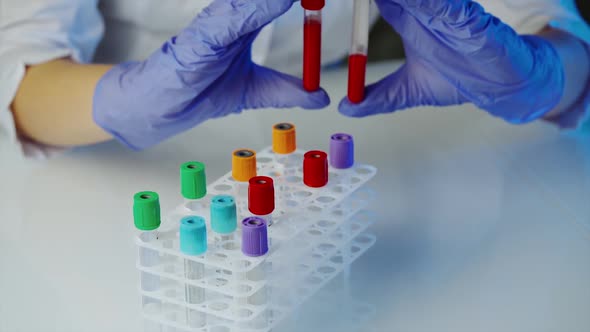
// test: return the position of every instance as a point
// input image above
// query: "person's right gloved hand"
(205, 72)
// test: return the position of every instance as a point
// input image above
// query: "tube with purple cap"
(341, 151)
(255, 244)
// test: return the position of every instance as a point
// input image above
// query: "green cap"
(146, 210)
(193, 184)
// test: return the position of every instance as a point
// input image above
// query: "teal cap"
(146, 210)
(224, 218)
(193, 235)
(193, 184)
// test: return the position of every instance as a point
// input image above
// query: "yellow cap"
(243, 164)
(283, 138)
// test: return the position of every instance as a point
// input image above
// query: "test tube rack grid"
(316, 234)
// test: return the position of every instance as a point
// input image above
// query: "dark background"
(384, 42)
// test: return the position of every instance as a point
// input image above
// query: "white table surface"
(483, 226)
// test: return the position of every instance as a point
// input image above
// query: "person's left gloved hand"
(457, 53)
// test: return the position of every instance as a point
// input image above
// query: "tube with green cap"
(146, 217)
(193, 184)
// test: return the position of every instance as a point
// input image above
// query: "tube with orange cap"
(243, 169)
(284, 143)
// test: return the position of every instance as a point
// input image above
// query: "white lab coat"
(36, 31)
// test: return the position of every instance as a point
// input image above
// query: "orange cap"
(283, 138)
(243, 164)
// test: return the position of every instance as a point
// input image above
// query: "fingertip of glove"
(317, 100)
(349, 109)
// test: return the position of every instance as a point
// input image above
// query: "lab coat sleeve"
(34, 32)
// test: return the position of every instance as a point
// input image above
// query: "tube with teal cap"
(193, 242)
(224, 219)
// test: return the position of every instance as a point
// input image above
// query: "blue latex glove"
(205, 72)
(457, 53)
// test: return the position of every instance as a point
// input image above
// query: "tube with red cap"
(261, 197)
(315, 169)
(312, 43)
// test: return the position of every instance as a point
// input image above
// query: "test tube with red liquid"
(357, 59)
(312, 43)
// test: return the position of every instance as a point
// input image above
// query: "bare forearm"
(54, 104)
(576, 64)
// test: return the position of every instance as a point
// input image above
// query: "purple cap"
(254, 237)
(341, 151)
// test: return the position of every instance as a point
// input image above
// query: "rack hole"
(325, 199)
(222, 187)
(326, 269)
(363, 170)
(325, 223)
(242, 264)
(326, 246)
(337, 212)
(219, 282)
(293, 179)
(263, 160)
(313, 280)
(314, 208)
(218, 306)
(245, 312)
(314, 232)
(303, 194)
(338, 189)
(337, 260)
(363, 239)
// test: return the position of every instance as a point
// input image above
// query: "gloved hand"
(457, 53)
(205, 72)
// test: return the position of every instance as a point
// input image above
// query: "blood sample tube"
(261, 197)
(312, 43)
(357, 60)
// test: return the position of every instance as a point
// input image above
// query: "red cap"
(261, 195)
(313, 4)
(315, 169)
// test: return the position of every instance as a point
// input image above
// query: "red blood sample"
(357, 64)
(315, 169)
(261, 195)
(312, 54)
